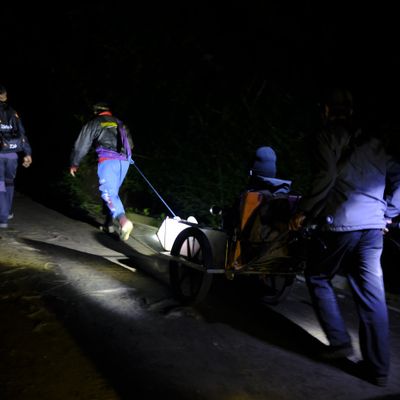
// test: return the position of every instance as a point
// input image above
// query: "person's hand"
(73, 170)
(296, 222)
(27, 161)
(388, 222)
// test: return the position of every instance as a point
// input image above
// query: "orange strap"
(250, 202)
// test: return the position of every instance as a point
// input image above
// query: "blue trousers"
(357, 254)
(8, 171)
(111, 175)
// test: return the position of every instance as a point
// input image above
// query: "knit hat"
(264, 162)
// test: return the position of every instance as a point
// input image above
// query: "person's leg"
(11, 173)
(4, 207)
(111, 175)
(108, 224)
(323, 264)
(126, 225)
(8, 169)
(366, 280)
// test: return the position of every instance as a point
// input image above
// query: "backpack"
(11, 138)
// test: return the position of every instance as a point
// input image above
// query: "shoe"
(107, 228)
(378, 380)
(11, 216)
(365, 373)
(126, 230)
(3, 225)
(337, 352)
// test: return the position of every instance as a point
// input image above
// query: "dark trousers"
(8, 171)
(357, 254)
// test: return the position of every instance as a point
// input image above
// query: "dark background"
(201, 86)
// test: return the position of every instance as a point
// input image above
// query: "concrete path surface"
(86, 316)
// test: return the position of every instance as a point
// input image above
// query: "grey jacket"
(352, 188)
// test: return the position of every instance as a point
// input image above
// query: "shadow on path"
(143, 342)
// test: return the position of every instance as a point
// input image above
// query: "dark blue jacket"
(10, 123)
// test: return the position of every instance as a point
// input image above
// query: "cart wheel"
(276, 288)
(190, 285)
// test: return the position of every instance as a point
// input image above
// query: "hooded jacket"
(349, 185)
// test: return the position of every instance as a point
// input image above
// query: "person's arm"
(27, 160)
(82, 146)
(393, 188)
(324, 175)
(323, 178)
(129, 136)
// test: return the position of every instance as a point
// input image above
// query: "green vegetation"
(202, 158)
(198, 105)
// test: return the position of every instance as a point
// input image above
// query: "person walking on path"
(352, 203)
(113, 144)
(13, 140)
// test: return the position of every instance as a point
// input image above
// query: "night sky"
(302, 46)
(156, 63)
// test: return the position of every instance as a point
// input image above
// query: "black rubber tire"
(189, 285)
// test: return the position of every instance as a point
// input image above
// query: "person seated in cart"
(262, 174)
(258, 222)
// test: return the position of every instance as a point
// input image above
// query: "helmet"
(100, 107)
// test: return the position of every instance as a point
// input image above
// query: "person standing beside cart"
(352, 202)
